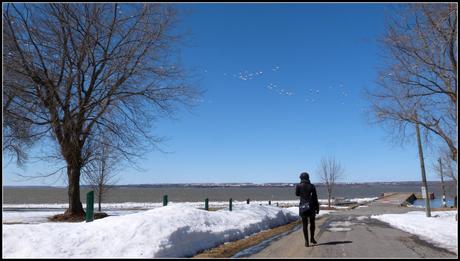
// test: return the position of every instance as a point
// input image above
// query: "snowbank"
(148, 205)
(179, 230)
(152, 205)
(440, 229)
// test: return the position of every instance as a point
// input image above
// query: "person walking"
(308, 207)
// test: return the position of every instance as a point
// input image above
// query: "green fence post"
(206, 204)
(90, 206)
(230, 204)
(165, 200)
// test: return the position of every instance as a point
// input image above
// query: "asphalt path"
(353, 234)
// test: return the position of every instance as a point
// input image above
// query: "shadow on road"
(333, 243)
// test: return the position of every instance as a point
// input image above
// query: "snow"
(38, 213)
(152, 205)
(440, 229)
(179, 230)
(148, 205)
(139, 229)
(339, 229)
(30, 217)
(36, 217)
(340, 226)
(362, 200)
(336, 207)
(361, 218)
(341, 223)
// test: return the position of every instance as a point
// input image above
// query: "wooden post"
(422, 166)
(269, 202)
(444, 203)
(230, 204)
(165, 200)
(206, 204)
(90, 206)
(247, 201)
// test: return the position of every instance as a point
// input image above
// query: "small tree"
(449, 171)
(449, 166)
(100, 173)
(330, 170)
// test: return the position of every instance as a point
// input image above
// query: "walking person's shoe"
(307, 244)
(313, 241)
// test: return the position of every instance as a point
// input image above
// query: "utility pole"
(422, 166)
(444, 204)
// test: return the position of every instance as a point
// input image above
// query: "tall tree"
(89, 72)
(330, 171)
(419, 83)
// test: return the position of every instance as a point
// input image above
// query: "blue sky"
(284, 88)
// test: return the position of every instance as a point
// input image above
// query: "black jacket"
(307, 193)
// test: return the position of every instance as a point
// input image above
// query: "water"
(434, 203)
(43, 195)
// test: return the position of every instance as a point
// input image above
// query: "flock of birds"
(311, 95)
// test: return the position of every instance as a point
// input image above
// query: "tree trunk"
(75, 206)
(99, 199)
(100, 192)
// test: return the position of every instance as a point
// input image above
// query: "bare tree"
(330, 170)
(100, 172)
(92, 72)
(448, 166)
(17, 133)
(449, 170)
(419, 84)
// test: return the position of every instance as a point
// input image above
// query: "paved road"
(351, 233)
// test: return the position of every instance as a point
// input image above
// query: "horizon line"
(227, 183)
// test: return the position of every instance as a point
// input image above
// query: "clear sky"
(284, 88)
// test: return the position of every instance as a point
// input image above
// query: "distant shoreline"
(248, 185)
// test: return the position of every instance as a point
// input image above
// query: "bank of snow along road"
(179, 230)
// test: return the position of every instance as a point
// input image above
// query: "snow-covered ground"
(152, 205)
(149, 205)
(179, 230)
(440, 229)
(38, 213)
(30, 217)
(139, 229)
(36, 217)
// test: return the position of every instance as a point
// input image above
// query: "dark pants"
(305, 226)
